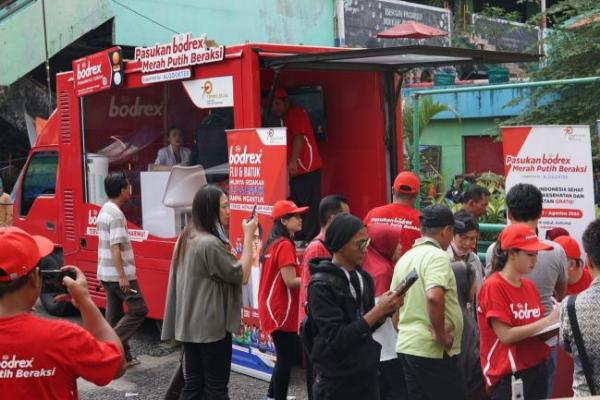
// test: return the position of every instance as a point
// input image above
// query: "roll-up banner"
(558, 160)
(257, 177)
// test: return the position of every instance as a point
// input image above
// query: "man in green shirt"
(430, 322)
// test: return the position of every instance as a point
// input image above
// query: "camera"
(52, 280)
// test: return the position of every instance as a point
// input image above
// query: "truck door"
(36, 210)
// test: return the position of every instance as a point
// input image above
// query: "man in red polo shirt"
(42, 358)
(401, 212)
(304, 162)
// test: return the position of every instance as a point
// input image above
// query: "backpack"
(308, 329)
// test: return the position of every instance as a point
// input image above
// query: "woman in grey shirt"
(204, 294)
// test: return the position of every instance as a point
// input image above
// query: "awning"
(393, 58)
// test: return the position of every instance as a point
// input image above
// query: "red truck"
(112, 116)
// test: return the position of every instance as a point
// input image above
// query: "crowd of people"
(463, 330)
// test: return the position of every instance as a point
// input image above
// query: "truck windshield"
(166, 145)
(39, 179)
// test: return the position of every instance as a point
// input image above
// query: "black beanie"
(341, 230)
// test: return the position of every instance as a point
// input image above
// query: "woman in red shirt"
(510, 314)
(278, 292)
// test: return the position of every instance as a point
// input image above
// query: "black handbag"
(176, 384)
(585, 362)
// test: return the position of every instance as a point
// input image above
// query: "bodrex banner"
(558, 160)
(257, 177)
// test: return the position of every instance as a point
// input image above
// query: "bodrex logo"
(237, 156)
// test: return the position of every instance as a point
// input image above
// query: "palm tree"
(427, 110)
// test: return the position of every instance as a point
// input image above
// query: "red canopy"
(411, 30)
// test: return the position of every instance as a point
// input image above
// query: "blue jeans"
(551, 369)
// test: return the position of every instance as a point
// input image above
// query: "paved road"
(150, 379)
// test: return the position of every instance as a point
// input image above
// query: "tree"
(427, 110)
(572, 53)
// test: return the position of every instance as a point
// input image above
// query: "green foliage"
(496, 208)
(427, 110)
(500, 13)
(571, 54)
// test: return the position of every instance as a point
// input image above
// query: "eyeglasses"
(363, 244)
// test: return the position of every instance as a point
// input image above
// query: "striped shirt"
(112, 229)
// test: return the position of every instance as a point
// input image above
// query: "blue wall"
(226, 21)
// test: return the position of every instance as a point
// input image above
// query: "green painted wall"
(449, 134)
(226, 21)
(22, 33)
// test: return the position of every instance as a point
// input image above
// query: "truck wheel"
(61, 308)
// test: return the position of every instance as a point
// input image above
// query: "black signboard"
(505, 35)
(363, 19)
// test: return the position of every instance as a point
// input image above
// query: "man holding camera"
(42, 358)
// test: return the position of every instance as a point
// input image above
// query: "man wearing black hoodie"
(342, 308)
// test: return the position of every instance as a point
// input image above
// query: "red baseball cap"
(20, 252)
(281, 93)
(553, 233)
(285, 207)
(521, 237)
(406, 182)
(570, 246)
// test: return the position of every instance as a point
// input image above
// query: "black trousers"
(206, 370)
(309, 373)
(392, 385)
(364, 387)
(305, 190)
(285, 346)
(125, 324)
(535, 384)
(432, 378)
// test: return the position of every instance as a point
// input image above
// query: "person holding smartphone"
(510, 313)
(343, 315)
(204, 294)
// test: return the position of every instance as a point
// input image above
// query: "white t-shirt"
(112, 229)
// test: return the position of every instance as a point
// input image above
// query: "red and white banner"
(182, 51)
(98, 71)
(558, 160)
(257, 176)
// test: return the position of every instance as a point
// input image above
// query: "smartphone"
(52, 280)
(253, 213)
(407, 282)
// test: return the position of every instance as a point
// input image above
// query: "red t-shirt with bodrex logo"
(515, 306)
(42, 359)
(297, 122)
(400, 216)
(278, 304)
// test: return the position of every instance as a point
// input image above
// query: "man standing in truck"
(304, 161)
(116, 265)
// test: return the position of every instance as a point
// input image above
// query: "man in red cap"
(401, 212)
(304, 161)
(42, 358)
(578, 275)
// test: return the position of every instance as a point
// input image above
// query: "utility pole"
(47, 60)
